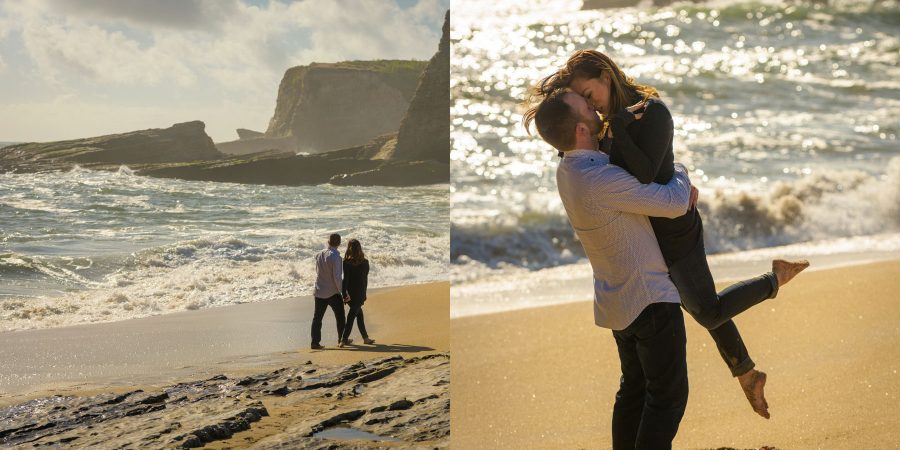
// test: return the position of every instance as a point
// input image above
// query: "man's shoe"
(369, 341)
(345, 343)
(316, 347)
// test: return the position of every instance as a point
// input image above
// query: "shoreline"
(572, 283)
(373, 290)
(235, 339)
(827, 343)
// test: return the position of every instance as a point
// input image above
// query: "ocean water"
(786, 113)
(90, 246)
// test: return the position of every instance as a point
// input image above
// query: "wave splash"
(826, 205)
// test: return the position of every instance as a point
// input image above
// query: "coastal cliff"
(333, 106)
(420, 153)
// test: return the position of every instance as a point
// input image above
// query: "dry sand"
(233, 340)
(830, 343)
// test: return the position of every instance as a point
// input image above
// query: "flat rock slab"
(407, 404)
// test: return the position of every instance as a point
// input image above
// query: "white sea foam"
(509, 288)
(819, 206)
(86, 246)
(205, 273)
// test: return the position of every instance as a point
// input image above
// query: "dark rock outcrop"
(275, 167)
(406, 401)
(397, 173)
(606, 4)
(244, 133)
(256, 144)
(328, 106)
(182, 142)
(425, 131)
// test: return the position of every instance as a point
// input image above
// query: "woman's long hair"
(589, 64)
(354, 254)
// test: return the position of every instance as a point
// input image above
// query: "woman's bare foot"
(786, 270)
(753, 383)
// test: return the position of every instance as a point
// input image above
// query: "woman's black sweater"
(356, 279)
(644, 148)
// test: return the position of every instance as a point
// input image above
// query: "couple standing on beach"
(634, 211)
(339, 282)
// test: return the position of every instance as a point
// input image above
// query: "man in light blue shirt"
(329, 273)
(633, 294)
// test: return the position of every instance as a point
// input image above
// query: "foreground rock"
(403, 402)
(182, 142)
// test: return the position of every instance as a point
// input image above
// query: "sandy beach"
(246, 338)
(235, 377)
(546, 377)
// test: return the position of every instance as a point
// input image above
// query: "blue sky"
(80, 68)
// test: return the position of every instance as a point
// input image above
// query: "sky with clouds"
(81, 68)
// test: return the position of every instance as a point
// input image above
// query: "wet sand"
(546, 377)
(241, 339)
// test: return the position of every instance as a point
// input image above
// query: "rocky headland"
(404, 403)
(183, 142)
(388, 120)
(330, 106)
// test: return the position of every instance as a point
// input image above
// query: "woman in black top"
(356, 279)
(637, 136)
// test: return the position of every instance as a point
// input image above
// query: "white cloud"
(177, 14)
(70, 47)
(376, 28)
(206, 52)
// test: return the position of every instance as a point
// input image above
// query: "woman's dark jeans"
(355, 312)
(653, 390)
(714, 310)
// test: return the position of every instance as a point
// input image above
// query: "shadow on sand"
(383, 348)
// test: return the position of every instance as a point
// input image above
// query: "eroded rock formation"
(182, 142)
(400, 402)
(338, 105)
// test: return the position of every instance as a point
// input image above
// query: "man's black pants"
(337, 305)
(653, 390)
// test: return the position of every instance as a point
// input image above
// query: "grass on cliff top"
(381, 65)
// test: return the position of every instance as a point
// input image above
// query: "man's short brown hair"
(554, 119)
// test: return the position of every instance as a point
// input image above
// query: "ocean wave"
(84, 246)
(209, 272)
(60, 270)
(825, 205)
